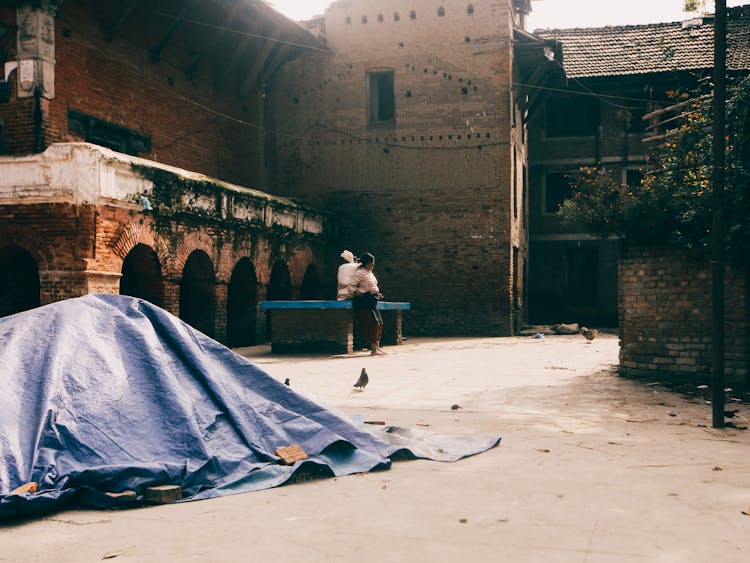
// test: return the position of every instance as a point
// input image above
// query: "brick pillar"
(262, 323)
(171, 286)
(221, 290)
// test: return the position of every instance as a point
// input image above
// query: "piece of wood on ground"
(291, 454)
(123, 494)
(164, 493)
(30, 487)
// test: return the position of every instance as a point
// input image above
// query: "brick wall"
(430, 194)
(115, 81)
(665, 303)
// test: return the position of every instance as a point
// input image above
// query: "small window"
(380, 18)
(441, 12)
(106, 134)
(571, 117)
(364, 19)
(470, 9)
(348, 20)
(413, 14)
(381, 97)
(556, 190)
(396, 17)
(636, 123)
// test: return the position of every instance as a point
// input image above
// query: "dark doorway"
(311, 288)
(197, 297)
(280, 284)
(242, 305)
(279, 289)
(141, 275)
(582, 276)
(19, 281)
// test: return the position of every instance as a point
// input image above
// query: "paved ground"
(591, 468)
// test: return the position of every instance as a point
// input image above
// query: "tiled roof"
(642, 49)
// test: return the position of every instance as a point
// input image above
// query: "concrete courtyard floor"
(590, 468)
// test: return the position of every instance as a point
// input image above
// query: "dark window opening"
(105, 134)
(413, 15)
(631, 119)
(572, 117)
(633, 177)
(470, 9)
(441, 12)
(556, 190)
(382, 100)
(396, 17)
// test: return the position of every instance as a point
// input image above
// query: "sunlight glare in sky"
(552, 13)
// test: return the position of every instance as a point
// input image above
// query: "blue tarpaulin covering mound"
(106, 393)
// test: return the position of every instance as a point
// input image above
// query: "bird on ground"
(363, 380)
(286, 381)
(589, 333)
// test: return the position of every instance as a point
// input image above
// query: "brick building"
(615, 76)
(412, 130)
(115, 118)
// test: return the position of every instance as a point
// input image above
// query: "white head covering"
(348, 256)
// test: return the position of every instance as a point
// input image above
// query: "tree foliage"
(672, 204)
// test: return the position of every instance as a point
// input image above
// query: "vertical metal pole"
(717, 230)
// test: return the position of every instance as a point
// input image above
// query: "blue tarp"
(107, 393)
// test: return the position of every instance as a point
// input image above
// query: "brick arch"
(228, 260)
(30, 241)
(190, 243)
(130, 235)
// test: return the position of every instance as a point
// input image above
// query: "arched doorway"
(280, 284)
(311, 288)
(19, 281)
(242, 305)
(279, 288)
(141, 275)
(197, 296)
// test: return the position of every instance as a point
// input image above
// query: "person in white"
(365, 303)
(345, 273)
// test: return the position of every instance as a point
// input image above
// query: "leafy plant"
(672, 203)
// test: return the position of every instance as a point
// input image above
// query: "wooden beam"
(156, 51)
(251, 79)
(214, 41)
(275, 61)
(126, 8)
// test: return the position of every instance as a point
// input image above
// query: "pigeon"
(286, 381)
(589, 334)
(362, 381)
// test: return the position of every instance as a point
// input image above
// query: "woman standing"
(365, 303)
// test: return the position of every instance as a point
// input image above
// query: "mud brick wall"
(431, 192)
(665, 304)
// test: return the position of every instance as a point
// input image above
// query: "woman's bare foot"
(378, 353)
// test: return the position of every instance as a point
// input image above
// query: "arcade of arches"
(227, 311)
